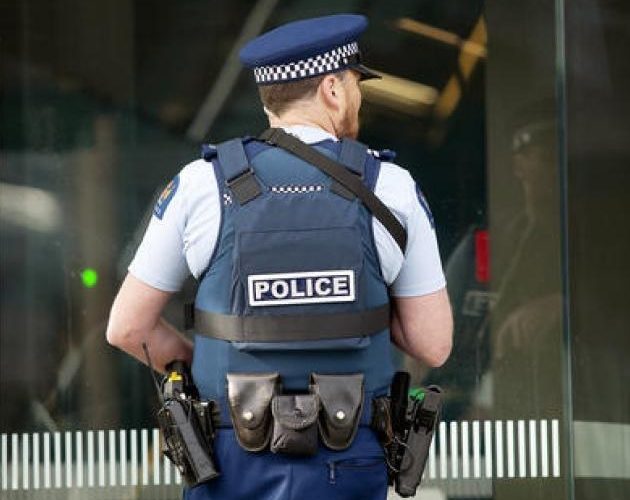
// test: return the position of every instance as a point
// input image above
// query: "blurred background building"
(512, 117)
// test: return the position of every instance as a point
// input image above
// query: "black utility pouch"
(341, 400)
(249, 396)
(295, 424)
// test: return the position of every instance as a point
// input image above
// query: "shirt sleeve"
(421, 271)
(160, 260)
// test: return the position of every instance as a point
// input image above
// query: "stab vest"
(294, 284)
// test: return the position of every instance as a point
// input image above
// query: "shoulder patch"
(425, 205)
(166, 197)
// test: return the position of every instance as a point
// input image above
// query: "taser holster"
(424, 417)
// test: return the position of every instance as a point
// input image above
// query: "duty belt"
(223, 420)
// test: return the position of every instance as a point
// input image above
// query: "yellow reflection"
(400, 94)
(475, 47)
(467, 61)
(449, 98)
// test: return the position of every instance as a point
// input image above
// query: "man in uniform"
(298, 279)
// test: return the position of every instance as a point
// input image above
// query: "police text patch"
(313, 287)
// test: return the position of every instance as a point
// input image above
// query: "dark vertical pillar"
(597, 36)
(528, 375)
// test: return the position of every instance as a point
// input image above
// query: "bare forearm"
(165, 343)
(423, 327)
(397, 334)
(136, 318)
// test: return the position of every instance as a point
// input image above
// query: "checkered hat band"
(333, 60)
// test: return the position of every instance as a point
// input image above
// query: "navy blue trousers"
(358, 473)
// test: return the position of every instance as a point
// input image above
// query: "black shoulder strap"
(343, 176)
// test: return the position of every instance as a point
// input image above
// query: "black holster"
(187, 427)
(423, 418)
(406, 435)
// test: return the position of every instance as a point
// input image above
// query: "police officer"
(298, 280)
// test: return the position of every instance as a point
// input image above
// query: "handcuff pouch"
(295, 424)
(249, 397)
(341, 401)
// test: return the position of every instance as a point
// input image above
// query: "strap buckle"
(245, 186)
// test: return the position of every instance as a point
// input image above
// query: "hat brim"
(366, 73)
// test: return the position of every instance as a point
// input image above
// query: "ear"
(331, 92)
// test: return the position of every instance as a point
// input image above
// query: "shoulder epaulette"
(209, 151)
(383, 154)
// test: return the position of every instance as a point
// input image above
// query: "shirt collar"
(309, 134)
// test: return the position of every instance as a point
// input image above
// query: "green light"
(416, 393)
(89, 277)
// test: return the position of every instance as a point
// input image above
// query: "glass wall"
(598, 179)
(104, 101)
(528, 370)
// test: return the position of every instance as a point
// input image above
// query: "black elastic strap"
(189, 315)
(343, 176)
(292, 327)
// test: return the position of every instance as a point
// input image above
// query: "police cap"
(306, 49)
